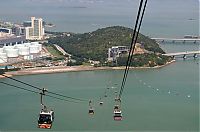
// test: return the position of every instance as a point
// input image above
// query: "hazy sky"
(162, 13)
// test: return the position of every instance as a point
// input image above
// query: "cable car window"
(45, 118)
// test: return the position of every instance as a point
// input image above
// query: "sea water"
(163, 99)
(169, 18)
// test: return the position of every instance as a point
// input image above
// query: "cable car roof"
(46, 112)
(117, 111)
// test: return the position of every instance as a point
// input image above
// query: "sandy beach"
(60, 69)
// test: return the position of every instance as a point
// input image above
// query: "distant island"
(191, 19)
(94, 46)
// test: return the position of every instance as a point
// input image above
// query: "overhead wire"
(133, 43)
(131, 46)
(22, 88)
(35, 87)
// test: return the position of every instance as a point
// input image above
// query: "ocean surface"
(163, 18)
(164, 99)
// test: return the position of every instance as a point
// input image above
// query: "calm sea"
(165, 99)
(163, 17)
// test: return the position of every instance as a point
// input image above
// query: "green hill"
(94, 45)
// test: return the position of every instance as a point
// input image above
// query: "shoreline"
(62, 69)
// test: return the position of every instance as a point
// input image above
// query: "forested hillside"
(94, 45)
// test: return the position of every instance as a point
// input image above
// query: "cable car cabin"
(116, 107)
(45, 119)
(91, 111)
(116, 99)
(117, 115)
(101, 103)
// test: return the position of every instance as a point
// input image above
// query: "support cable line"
(133, 43)
(38, 92)
(131, 47)
(35, 87)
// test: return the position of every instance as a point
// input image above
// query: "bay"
(164, 99)
(147, 104)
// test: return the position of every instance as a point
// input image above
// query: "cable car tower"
(46, 117)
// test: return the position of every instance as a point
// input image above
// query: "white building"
(116, 51)
(18, 52)
(36, 31)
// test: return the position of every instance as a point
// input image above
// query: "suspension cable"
(133, 44)
(132, 41)
(38, 92)
(41, 89)
(20, 87)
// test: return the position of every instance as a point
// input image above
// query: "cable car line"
(41, 89)
(133, 44)
(38, 92)
(117, 108)
(131, 50)
(61, 99)
(22, 82)
(67, 96)
(20, 87)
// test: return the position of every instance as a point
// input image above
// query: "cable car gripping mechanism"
(42, 93)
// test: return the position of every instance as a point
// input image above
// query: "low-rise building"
(6, 31)
(116, 51)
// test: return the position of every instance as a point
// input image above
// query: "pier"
(184, 54)
(177, 39)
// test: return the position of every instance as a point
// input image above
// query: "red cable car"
(117, 115)
(91, 109)
(117, 112)
(46, 119)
